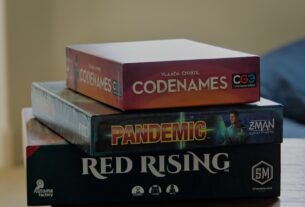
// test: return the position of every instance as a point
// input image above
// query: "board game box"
(59, 173)
(100, 130)
(162, 74)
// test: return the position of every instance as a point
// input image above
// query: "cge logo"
(262, 172)
(244, 80)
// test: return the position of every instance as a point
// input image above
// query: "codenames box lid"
(162, 74)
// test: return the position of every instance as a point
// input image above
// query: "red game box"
(162, 74)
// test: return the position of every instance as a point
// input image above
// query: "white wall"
(5, 140)
(39, 30)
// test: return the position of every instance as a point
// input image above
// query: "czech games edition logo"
(244, 80)
(41, 191)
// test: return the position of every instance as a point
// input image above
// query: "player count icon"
(137, 191)
(155, 190)
(172, 189)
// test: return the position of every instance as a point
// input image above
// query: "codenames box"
(162, 74)
(102, 130)
(58, 173)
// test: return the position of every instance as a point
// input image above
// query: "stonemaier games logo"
(158, 166)
(262, 174)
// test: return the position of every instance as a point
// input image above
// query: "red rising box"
(162, 74)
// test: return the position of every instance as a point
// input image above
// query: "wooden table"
(13, 186)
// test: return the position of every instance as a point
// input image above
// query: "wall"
(39, 30)
(6, 143)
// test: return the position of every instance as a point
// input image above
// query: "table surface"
(13, 184)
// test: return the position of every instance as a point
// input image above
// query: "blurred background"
(34, 33)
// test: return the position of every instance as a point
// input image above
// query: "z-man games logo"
(244, 80)
(158, 133)
(261, 126)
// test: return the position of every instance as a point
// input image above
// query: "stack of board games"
(152, 121)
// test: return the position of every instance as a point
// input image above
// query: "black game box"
(59, 173)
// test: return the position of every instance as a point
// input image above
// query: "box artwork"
(99, 129)
(58, 173)
(162, 74)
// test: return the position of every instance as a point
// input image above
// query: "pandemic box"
(162, 74)
(101, 130)
(58, 173)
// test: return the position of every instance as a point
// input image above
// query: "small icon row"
(155, 190)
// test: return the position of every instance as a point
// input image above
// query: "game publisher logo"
(263, 126)
(262, 173)
(41, 191)
(116, 88)
(244, 80)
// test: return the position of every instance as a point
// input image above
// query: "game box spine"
(184, 130)
(169, 84)
(61, 117)
(63, 175)
(95, 77)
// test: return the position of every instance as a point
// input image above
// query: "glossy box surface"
(60, 174)
(101, 130)
(162, 74)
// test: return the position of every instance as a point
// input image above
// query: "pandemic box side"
(102, 130)
(60, 116)
(162, 74)
(187, 129)
(61, 174)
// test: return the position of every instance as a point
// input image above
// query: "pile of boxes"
(152, 121)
